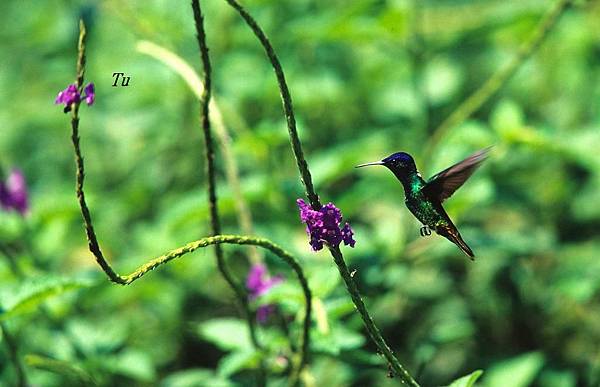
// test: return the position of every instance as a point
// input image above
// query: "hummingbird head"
(400, 162)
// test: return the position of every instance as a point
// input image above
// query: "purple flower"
(263, 312)
(13, 192)
(258, 283)
(68, 96)
(71, 95)
(323, 226)
(90, 94)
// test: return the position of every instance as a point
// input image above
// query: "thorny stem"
(240, 292)
(499, 78)
(314, 199)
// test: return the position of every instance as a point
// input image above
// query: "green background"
(368, 78)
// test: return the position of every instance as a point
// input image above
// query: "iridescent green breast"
(421, 206)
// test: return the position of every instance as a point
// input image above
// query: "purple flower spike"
(68, 96)
(13, 192)
(71, 95)
(323, 226)
(259, 283)
(90, 94)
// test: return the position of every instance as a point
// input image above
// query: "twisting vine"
(216, 240)
(9, 341)
(306, 178)
(13, 353)
(239, 291)
(232, 174)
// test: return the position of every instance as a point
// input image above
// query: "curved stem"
(216, 240)
(238, 289)
(80, 176)
(314, 199)
(499, 78)
(233, 179)
(13, 353)
(288, 108)
(188, 74)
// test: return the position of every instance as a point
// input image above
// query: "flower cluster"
(71, 95)
(13, 192)
(258, 283)
(324, 226)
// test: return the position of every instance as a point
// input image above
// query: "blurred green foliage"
(368, 78)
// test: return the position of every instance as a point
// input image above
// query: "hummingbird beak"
(368, 164)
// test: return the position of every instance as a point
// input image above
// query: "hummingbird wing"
(443, 184)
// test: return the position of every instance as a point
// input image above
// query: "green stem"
(288, 108)
(233, 179)
(188, 74)
(80, 176)
(372, 329)
(499, 78)
(313, 197)
(12, 261)
(239, 290)
(176, 253)
(13, 353)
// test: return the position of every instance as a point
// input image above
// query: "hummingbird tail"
(453, 236)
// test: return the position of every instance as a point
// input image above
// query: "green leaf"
(225, 333)
(97, 337)
(174, 62)
(336, 340)
(134, 364)
(76, 375)
(519, 371)
(195, 378)
(556, 378)
(442, 80)
(237, 361)
(32, 293)
(322, 282)
(467, 380)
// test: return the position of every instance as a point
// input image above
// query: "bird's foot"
(425, 231)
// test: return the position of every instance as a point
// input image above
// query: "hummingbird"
(424, 198)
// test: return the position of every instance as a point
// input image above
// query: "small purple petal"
(263, 312)
(258, 283)
(90, 94)
(254, 281)
(13, 192)
(68, 96)
(348, 235)
(17, 188)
